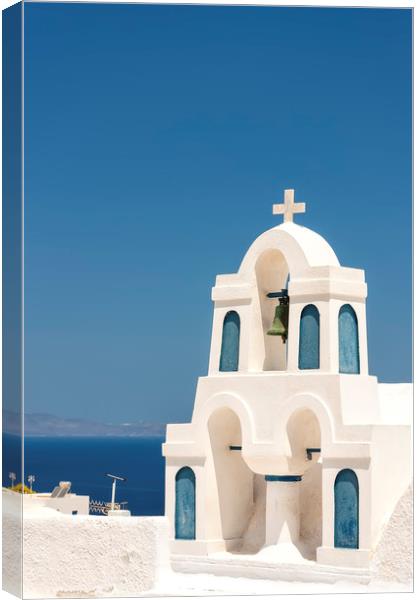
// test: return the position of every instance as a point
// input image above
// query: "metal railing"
(102, 508)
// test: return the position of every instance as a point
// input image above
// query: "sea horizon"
(85, 459)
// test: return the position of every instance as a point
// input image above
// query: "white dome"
(302, 248)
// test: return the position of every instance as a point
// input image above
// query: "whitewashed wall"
(393, 557)
(89, 556)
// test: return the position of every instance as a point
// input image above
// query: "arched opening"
(233, 478)
(304, 440)
(230, 345)
(309, 346)
(185, 504)
(272, 275)
(346, 509)
(348, 340)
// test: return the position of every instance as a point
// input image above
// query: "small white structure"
(65, 502)
(294, 452)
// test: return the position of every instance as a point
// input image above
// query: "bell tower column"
(293, 334)
(282, 510)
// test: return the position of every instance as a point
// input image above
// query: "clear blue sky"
(157, 139)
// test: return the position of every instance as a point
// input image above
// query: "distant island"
(44, 424)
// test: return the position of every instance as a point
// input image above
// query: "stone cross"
(289, 207)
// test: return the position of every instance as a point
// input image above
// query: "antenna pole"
(114, 478)
(113, 494)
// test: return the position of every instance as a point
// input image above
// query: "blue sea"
(85, 460)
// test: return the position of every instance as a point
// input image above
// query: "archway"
(348, 340)
(309, 345)
(234, 479)
(230, 345)
(185, 504)
(271, 276)
(346, 509)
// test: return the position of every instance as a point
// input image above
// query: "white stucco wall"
(393, 557)
(396, 403)
(12, 542)
(89, 556)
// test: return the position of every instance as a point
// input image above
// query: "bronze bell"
(280, 322)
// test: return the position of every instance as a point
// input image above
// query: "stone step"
(250, 566)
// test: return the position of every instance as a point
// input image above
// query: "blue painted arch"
(309, 346)
(346, 493)
(230, 345)
(185, 504)
(348, 340)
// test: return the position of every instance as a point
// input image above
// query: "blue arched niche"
(229, 359)
(185, 504)
(309, 348)
(346, 510)
(348, 340)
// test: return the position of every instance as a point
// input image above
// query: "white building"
(65, 502)
(293, 446)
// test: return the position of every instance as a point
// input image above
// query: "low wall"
(91, 556)
(12, 542)
(393, 557)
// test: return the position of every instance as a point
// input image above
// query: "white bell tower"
(294, 253)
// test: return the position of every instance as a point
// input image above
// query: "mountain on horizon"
(45, 424)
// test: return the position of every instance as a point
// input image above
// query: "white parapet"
(87, 556)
